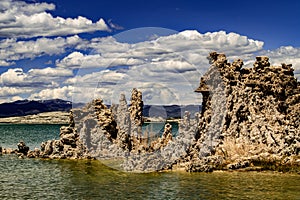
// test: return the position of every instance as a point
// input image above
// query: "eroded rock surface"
(68, 146)
(22, 148)
(248, 113)
(136, 107)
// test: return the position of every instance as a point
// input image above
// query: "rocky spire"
(124, 123)
(136, 107)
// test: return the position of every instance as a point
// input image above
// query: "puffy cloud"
(79, 60)
(171, 87)
(175, 66)
(287, 55)
(50, 72)
(167, 69)
(17, 84)
(34, 78)
(23, 7)
(16, 98)
(53, 93)
(190, 46)
(8, 94)
(221, 41)
(99, 79)
(105, 44)
(13, 77)
(13, 91)
(99, 84)
(176, 62)
(22, 19)
(167, 87)
(5, 63)
(13, 49)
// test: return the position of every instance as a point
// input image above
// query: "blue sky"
(276, 23)
(78, 50)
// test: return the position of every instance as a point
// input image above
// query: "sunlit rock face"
(136, 107)
(116, 133)
(248, 113)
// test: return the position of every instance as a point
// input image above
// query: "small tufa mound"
(68, 146)
(22, 148)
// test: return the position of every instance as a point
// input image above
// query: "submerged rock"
(9, 151)
(34, 154)
(22, 148)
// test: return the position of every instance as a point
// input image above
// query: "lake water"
(75, 179)
(33, 135)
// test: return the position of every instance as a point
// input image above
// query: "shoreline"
(56, 117)
(258, 164)
(264, 167)
(61, 117)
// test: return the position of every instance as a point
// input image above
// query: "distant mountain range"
(30, 107)
(169, 111)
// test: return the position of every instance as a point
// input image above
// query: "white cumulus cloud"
(170, 65)
(8, 94)
(79, 60)
(167, 69)
(12, 91)
(22, 19)
(190, 46)
(50, 72)
(287, 55)
(54, 93)
(13, 50)
(34, 78)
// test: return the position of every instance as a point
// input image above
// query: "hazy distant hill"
(169, 111)
(30, 107)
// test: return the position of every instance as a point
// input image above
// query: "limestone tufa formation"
(136, 107)
(68, 146)
(249, 114)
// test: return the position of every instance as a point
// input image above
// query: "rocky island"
(249, 121)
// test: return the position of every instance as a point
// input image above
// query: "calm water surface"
(33, 134)
(71, 179)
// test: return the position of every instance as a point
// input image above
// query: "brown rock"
(261, 109)
(22, 148)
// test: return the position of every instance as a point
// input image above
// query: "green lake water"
(75, 179)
